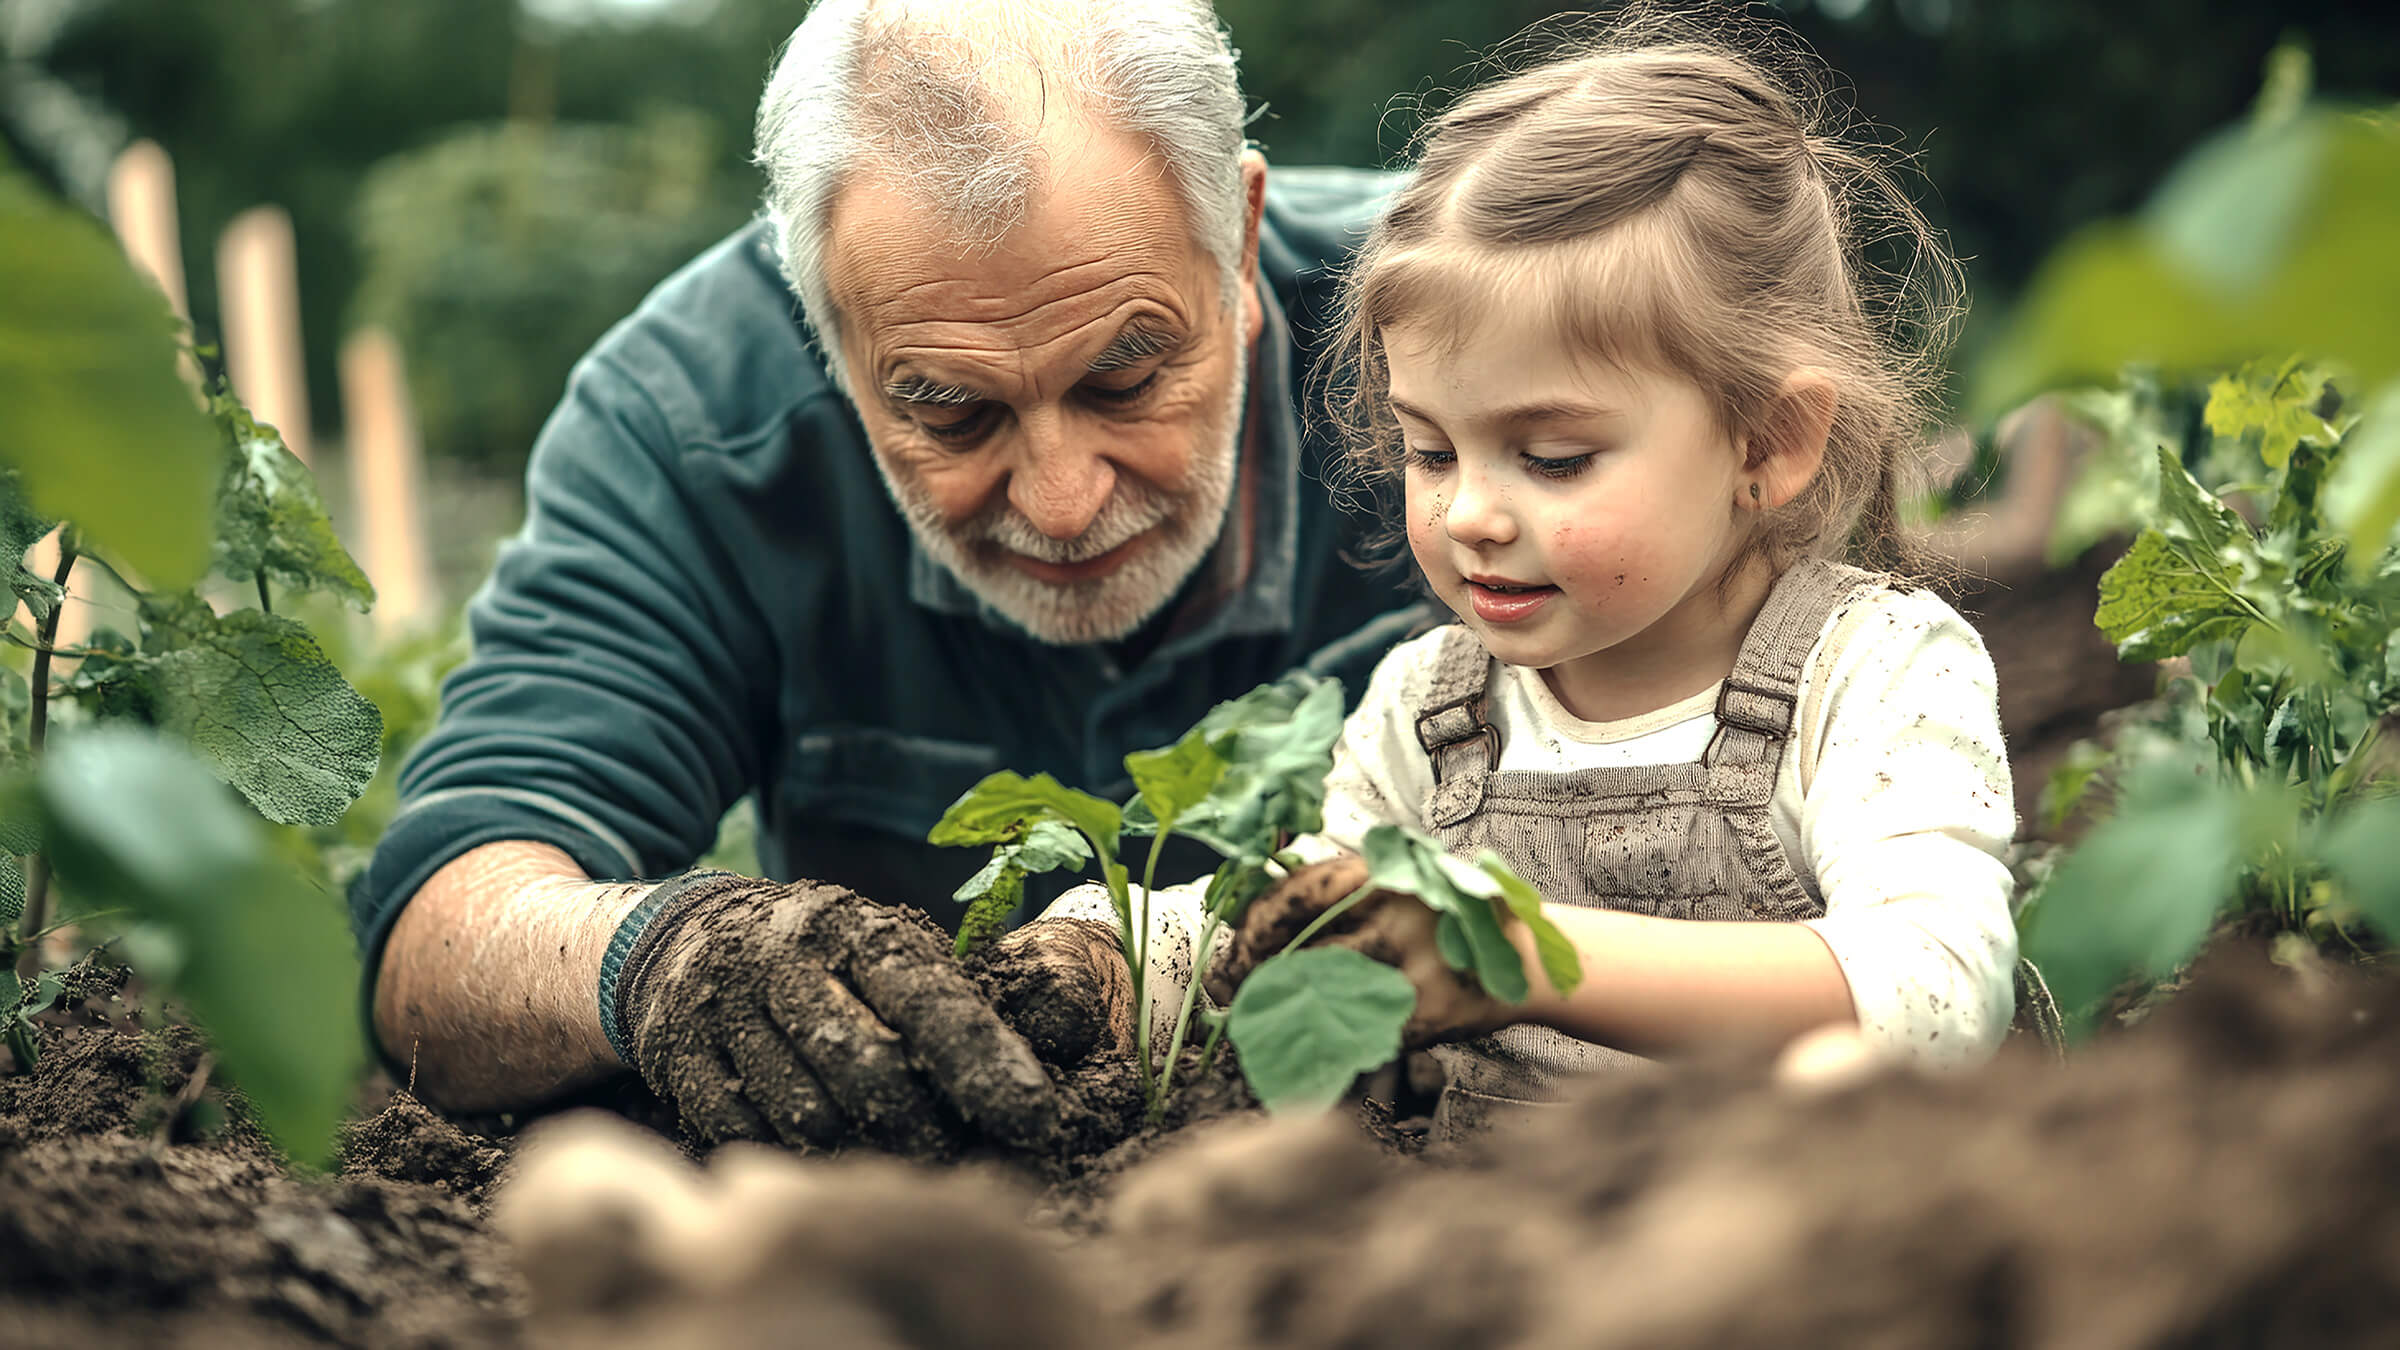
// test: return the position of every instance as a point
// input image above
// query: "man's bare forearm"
(489, 984)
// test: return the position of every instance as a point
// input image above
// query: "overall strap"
(1458, 737)
(1757, 702)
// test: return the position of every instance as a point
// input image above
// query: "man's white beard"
(1182, 527)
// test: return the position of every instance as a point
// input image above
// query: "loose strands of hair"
(1709, 151)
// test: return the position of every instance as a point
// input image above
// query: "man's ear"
(1783, 457)
(1254, 207)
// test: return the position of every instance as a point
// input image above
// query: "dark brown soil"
(2219, 1175)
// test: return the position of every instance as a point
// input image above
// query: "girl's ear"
(1782, 458)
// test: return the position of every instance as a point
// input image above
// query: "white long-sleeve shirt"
(1893, 803)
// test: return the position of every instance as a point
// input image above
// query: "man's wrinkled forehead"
(1103, 231)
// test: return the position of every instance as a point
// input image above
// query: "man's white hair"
(949, 100)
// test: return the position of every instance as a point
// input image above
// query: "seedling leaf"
(260, 701)
(1277, 743)
(1002, 807)
(1398, 860)
(267, 963)
(2158, 601)
(92, 411)
(1559, 962)
(270, 519)
(1309, 1022)
(1172, 781)
(2362, 848)
(2139, 893)
(995, 891)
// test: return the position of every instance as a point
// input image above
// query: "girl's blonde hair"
(1685, 210)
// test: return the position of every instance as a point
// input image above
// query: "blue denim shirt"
(713, 596)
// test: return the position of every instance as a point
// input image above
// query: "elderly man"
(1021, 281)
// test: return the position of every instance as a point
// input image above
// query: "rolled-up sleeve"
(1906, 822)
(621, 680)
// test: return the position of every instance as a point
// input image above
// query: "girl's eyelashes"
(1558, 468)
(1431, 461)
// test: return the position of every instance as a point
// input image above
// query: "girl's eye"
(1130, 394)
(966, 429)
(1431, 461)
(1562, 467)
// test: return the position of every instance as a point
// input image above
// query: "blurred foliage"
(2032, 116)
(497, 254)
(116, 752)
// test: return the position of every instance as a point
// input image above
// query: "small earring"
(1754, 492)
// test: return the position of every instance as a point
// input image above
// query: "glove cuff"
(630, 949)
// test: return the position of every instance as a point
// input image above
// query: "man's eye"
(1131, 393)
(976, 421)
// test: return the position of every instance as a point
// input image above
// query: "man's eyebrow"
(1556, 410)
(1138, 343)
(923, 391)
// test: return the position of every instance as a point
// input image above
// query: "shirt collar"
(1269, 478)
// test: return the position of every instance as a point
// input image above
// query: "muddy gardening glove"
(807, 1015)
(1389, 926)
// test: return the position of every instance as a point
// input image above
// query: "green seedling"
(2261, 780)
(1246, 781)
(114, 774)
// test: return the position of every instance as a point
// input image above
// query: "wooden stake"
(258, 288)
(387, 481)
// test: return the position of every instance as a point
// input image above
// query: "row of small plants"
(145, 769)
(2261, 490)
(1246, 781)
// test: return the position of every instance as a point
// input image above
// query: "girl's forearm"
(1657, 986)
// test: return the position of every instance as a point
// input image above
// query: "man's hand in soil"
(805, 1014)
(1394, 928)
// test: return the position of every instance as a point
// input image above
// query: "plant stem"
(266, 603)
(1208, 1052)
(1332, 912)
(1154, 1089)
(37, 730)
(1183, 1018)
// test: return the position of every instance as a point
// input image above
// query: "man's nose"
(1059, 483)
(1479, 512)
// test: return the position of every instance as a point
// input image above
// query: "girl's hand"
(1391, 927)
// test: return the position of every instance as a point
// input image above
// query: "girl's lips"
(1511, 606)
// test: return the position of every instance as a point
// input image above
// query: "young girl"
(1616, 339)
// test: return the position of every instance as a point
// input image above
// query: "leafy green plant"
(2259, 782)
(114, 774)
(1246, 781)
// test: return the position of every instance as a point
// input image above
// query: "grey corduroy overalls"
(1683, 841)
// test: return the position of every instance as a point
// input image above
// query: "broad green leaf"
(1174, 780)
(1309, 1022)
(256, 696)
(1004, 806)
(2362, 848)
(992, 894)
(92, 411)
(267, 963)
(1400, 860)
(995, 891)
(2069, 782)
(21, 527)
(2140, 892)
(1559, 961)
(270, 519)
(2194, 517)
(2362, 494)
(2156, 601)
(2276, 401)
(12, 890)
(1277, 743)
(2262, 242)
